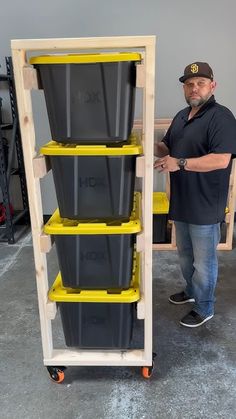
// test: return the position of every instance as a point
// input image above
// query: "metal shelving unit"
(7, 169)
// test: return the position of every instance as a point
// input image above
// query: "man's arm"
(160, 149)
(206, 163)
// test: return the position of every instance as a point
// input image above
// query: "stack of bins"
(90, 103)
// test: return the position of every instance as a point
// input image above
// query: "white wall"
(186, 31)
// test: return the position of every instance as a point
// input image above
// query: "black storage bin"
(89, 98)
(160, 228)
(95, 255)
(160, 217)
(95, 261)
(94, 186)
(97, 325)
(97, 319)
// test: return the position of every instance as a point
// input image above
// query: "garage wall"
(186, 31)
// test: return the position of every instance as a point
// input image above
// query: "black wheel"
(56, 374)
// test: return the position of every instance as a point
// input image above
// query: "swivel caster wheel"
(147, 371)
(56, 374)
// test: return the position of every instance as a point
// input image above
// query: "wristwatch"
(182, 163)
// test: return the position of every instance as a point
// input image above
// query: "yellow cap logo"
(194, 68)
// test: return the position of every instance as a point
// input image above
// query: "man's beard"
(195, 103)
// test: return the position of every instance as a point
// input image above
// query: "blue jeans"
(196, 246)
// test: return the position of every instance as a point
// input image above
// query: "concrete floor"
(195, 370)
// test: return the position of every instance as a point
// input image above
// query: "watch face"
(182, 163)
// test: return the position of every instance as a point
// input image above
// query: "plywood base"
(113, 358)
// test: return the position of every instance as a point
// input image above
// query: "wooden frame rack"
(227, 244)
(37, 166)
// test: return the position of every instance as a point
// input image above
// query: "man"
(197, 151)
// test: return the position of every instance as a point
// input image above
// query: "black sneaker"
(193, 319)
(180, 298)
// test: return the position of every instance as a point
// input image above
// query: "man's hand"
(166, 164)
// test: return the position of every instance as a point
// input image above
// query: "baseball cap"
(197, 69)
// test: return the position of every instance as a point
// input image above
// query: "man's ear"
(213, 85)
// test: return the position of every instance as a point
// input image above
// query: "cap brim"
(190, 76)
(182, 79)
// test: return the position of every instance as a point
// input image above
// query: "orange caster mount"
(147, 371)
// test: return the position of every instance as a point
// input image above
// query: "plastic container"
(97, 319)
(95, 255)
(160, 216)
(94, 182)
(89, 97)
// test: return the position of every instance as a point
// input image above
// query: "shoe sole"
(196, 325)
(190, 300)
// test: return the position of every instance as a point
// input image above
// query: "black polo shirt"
(200, 198)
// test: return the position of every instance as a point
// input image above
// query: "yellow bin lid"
(53, 148)
(66, 226)
(160, 203)
(72, 295)
(85, 58)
